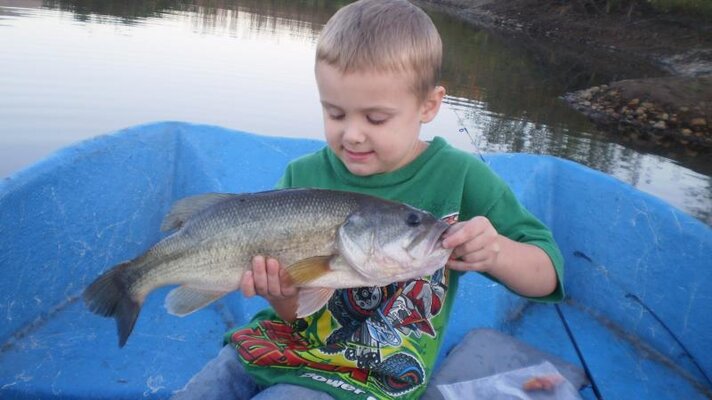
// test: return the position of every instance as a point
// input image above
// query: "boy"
(377, 66)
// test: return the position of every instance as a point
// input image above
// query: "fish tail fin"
(108, 296)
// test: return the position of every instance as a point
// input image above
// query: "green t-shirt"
(382, 342)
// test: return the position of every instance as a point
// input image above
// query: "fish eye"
(413, 219)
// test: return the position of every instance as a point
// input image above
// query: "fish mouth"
(437, 237)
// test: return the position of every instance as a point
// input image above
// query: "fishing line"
(463, 129)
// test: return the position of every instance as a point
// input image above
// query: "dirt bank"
(667, 58)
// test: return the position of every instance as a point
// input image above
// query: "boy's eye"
(335, 116)
(376, 120)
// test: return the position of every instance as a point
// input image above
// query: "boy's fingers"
(287, 285)
(462, 250)
(482, 242)
(465, 266)
(285, 279)
(247, 284)
(454, 236)
(453, 228)
(267, 279)
(259, 275)
(469, 258)
(469, 245)
(457, 265)
(273, 281)
(463, 232)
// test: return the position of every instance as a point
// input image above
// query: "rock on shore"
(658, 110)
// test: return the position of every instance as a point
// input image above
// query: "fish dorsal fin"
(184, 300)
(309, 269)
(311, 300)
(189, 206)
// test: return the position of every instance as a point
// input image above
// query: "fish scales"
(222, 241)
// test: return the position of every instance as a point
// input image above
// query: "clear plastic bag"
(538, 382)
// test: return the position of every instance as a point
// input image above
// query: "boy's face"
(372, 119)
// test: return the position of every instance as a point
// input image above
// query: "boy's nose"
(353, 133)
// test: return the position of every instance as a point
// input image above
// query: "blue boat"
(637, 317)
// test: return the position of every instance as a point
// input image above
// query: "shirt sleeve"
(514, 221)
(488, 195)
(286, 180)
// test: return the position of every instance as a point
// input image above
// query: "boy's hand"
(269, 280)
(523, 267)
(475, 243)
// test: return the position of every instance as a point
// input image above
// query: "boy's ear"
(431, 105)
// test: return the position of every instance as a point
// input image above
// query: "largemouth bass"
(325, 239)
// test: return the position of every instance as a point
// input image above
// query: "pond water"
(71, 70)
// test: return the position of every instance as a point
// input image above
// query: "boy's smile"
(358, 156)
(372, 119)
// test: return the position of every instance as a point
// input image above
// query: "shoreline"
(661, 92)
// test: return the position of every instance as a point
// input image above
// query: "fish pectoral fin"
(184, 300)
(309, 269)
(311, 300)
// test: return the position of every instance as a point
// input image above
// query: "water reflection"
(509, 99)
(213, 13)
(73, 69)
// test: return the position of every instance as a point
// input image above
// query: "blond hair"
(383, 36)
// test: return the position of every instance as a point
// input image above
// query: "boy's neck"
(403, 174)
(420, 147)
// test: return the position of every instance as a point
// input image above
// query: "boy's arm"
(477, 246)
(269, 280)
